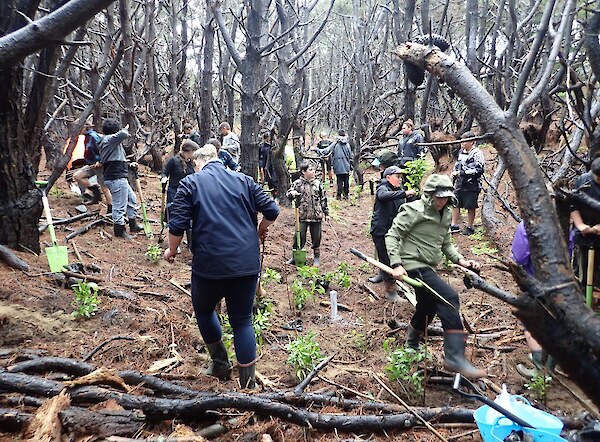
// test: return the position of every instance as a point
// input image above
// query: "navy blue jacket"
(222, 206)
(388, 200)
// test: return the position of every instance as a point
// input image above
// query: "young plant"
(304, 354)
(356, 191)
(56, 192)
(227, 334)
(414, 171)
(539, 385)
(403, 367)
(359, 341)
(340, 275)
(261, 318)
(86, 300)
(271, 276)
(153, 252)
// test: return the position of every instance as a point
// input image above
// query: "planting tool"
(487, 401)
(589, 280)
(299, 254)
(163, 214)
(415, 282)
(147, 226)
(58, 256)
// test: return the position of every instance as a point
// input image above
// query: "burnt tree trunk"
(553, 310)
(206, 99)
(22, 112)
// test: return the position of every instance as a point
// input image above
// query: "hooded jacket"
(420, 236)
(341, 153)
(388, 200)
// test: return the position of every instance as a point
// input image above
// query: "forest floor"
(35, 313)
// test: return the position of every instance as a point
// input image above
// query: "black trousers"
(315, 234)
(382, 255)
(343, 184)
(428, 305)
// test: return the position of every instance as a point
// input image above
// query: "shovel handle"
(516, 419)
(407, 279)
(49, 218)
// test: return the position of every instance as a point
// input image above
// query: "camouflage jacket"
(312, 202)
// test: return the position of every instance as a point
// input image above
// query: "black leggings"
(315, 234)
(428, 305)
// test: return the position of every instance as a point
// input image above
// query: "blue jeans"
(239, 297)
(123, 200)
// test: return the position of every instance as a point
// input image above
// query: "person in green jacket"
(416, 243)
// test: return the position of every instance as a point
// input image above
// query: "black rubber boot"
(413, 337)
(219, 367)
(96, 195)
(377, 278)
(109, 210)
(247, 376)
(391, 291)
(134, 226)
(120, 232)
(454, 355)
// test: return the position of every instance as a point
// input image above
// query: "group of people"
(219, 208)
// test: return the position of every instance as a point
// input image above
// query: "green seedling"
(539, 385)
(271, 276)
(56, 192)
(86, 300)
(304, 354)
(261, 318)
(403, 367)
(364, 267)
(414, 171)
(153, 252)
(359, 341)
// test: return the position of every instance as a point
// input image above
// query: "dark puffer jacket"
(388, 200)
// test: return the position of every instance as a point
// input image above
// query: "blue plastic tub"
(540, 420)
(499, 432)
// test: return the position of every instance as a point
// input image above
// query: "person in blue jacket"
(389, 197)
(223, 206)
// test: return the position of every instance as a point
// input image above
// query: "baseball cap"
(391, 171)
(467, 134)
(444, 192)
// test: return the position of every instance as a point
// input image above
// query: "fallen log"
(84, 229)
(81, 422)
(12, 260)
(68, 220)
(158, 409)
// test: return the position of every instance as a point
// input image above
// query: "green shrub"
(153, 252)
(304, 354)
(86, 300)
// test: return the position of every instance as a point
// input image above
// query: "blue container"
(540, 420)
(499, 432)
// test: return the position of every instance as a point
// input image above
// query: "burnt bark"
(554, 310)
(22, 112)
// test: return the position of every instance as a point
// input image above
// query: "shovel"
(163, 215)
(58, 256)
(415, 282)
(589, 280)
(456, 387)
(298, 254)
(147, 226)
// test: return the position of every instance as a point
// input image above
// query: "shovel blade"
(58, 256)
(299, 256)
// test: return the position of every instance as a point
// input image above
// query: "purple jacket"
(520, 248)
